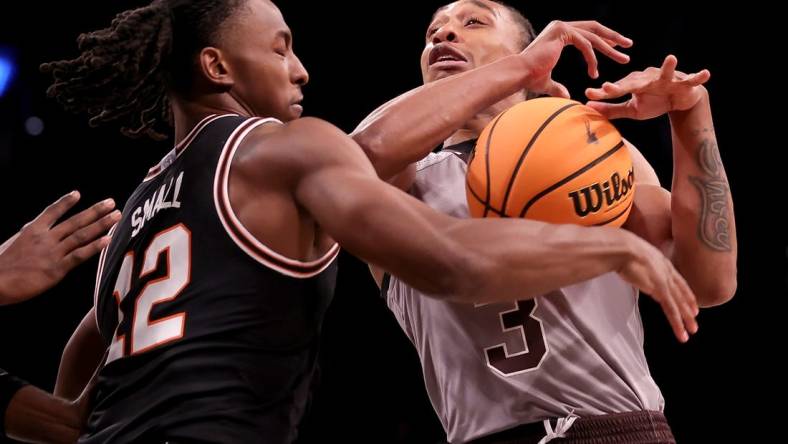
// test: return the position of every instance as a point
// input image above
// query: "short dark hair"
(527, 34)
(526, 29)
(123, 72)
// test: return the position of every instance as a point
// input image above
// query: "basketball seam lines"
(528, 149)
(482, 202)
(563, 181)
(487, 163)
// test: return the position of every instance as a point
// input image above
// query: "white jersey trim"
(168, 159)
(245, 240)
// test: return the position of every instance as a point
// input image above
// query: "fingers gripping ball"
(553, 160)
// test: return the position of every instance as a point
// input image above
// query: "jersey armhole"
(242, 237)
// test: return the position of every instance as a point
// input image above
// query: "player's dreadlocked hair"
(123, 72)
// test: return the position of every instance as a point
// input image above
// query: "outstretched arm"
(408, 127)
(695, 223)
(467, 260)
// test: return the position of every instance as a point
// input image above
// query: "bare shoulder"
(295, 147)
(306, 131)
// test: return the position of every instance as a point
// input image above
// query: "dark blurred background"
(359, 55)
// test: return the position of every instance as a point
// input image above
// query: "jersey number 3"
(519, 319)
(175, 243)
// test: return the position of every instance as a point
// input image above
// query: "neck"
(474, 127)
(188, 112)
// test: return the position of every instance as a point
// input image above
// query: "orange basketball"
(554, 160)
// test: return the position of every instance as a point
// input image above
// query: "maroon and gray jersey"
(491, 367)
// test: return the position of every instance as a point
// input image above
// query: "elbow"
(718, 292)
(371, 142)
(378, 149)
(444, 288)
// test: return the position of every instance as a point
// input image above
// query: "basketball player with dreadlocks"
(211, 295)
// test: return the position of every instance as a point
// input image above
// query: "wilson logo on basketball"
(590, 199)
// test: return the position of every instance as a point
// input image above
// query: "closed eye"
(473, 21)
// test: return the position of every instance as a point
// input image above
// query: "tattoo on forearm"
(714, 226)
(697, 132)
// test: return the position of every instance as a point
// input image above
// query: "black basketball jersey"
(212, 336)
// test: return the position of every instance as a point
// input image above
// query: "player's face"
(267, 74)
(465, 35)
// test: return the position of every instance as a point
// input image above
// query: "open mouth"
(444, 54)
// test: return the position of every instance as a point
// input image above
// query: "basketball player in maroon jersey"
(514, 372)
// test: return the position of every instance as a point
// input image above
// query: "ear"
(215, 68)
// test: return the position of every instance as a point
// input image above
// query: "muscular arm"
(469, 260)
(694, 225)
(407, 128)
(466, 260)
(703, 225)
(80, 359)
(699, 211)
(33, 415)
(36, 416)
